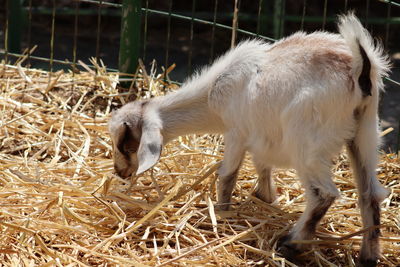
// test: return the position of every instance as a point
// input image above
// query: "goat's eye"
(130, 151)
(130, 146)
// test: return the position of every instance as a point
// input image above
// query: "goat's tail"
(370, 63)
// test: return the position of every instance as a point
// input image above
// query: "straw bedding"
(62, 205)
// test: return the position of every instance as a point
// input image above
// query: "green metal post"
(14, 25)
(130, 36)
(264, 11)
(279, 13)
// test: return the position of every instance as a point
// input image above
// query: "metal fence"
(136, 23)
(54, 34)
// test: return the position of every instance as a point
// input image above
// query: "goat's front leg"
(233, 156)
(371, 193)
(320, 194)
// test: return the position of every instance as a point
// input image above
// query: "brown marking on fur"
(227, 183)
(325, 54)
(317, 215)
(376, 218)
(319, 211)
(230, 179)
(357, 113)
(351, 83)
(368, 201)
(288, 249)
(334, 60)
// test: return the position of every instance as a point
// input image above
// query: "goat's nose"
(123, 173)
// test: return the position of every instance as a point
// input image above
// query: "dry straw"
(61, 204)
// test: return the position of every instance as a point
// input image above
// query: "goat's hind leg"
(320, 194)
(363, 153)
(363, 157)
(233, 156)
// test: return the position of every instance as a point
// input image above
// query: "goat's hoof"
(367, 263)
(266, 199)
(223, 207)
(287, 249)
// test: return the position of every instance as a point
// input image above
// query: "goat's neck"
(187, 112)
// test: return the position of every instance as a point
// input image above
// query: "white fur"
(290, 104)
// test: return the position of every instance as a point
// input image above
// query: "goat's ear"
(149, 149)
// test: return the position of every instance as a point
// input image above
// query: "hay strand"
(62, 205)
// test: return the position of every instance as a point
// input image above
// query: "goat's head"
(136, 137)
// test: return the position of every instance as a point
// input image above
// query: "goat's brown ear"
(149, 149)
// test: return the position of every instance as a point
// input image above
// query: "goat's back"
(291, 98)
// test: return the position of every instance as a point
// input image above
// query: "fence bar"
(58, 61)
(75, 45)
(260, 2)
(213, 31)
(53, 25)
(6, 33)
(219, 25)
(99, 8)
(391, 2)
(130, 36)
(235, 23)
(29, 33)
(82, 11)
(279, 14)
(276, 15)
(191, 39)
(324, 17)
(14, 25)
(345, 3)
(145, 30)
(266, 22)
(104, 3)
(303, 14)
(168, 39)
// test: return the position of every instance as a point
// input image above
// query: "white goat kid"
(293, 103)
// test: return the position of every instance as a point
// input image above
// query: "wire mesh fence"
(182, 35)
(173, 23)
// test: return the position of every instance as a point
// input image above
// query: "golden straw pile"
(62, 205)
